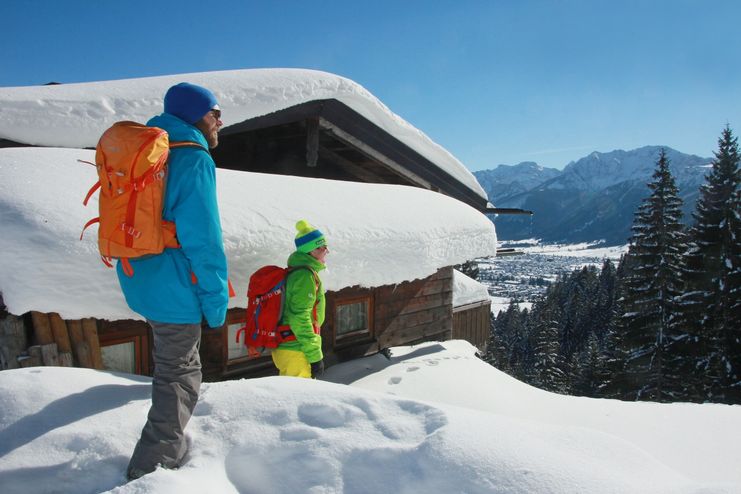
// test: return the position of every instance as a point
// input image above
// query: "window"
(352, 317)
(238, 351)
(122, 355)
(124, 346)
(235, 350)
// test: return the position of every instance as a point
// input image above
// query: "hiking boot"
(135, 473)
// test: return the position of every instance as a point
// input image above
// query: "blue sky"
(494, 82)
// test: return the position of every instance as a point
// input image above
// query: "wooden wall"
(472, 323)
(416, 311)
(404, 314)
(47, 339)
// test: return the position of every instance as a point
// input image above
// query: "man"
(177, 289)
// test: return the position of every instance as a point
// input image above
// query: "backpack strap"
(187, 144)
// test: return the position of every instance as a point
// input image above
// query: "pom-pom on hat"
(308, 238)
(189, 102)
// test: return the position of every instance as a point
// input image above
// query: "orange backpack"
(131, 159)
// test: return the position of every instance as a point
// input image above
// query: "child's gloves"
(317, 369)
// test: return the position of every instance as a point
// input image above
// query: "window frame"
(141, 347)
(339, 302)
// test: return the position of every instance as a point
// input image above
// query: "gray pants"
(177, 380)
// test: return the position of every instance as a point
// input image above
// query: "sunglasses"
(216, 114)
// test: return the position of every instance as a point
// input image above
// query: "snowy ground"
(432, 418)
(584, 249)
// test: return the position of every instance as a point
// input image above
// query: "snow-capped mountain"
(593, 198)
(599, 171)
(508, 180)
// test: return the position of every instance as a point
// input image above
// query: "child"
(304, 306)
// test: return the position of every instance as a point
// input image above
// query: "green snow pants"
(175, 386)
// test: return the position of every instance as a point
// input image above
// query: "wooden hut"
(320, 139)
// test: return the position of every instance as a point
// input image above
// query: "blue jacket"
(162, 288)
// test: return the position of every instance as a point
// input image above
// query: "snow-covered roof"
(378, 234)
(466, 290)
(75, 115)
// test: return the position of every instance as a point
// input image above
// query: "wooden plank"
(90, 330)
(312, 142)
(34, 351)
(13, 341)
(407, 335)
(29, 361)
(59, 331)
(65, 359)
(41, 328)
(351, 167)
(408, 306)
(80, 349)
(415, 319)
(49, 354)
(415, 289)
(82, 354)
(370, 151)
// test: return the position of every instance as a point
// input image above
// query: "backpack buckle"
(130, 230)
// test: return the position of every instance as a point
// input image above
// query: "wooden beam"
(80, 347)
(42, 328)
(49, 354)
(59, 330)
(372, 153)
(312, 142)
(347, 165)
(90, 330)
(508, 211)
(13, 341)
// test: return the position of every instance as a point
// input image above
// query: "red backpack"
(265, 299)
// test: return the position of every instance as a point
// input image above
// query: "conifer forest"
(664, 324)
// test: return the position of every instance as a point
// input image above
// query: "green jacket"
(299, 305)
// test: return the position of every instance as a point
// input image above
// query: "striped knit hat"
(308, 238)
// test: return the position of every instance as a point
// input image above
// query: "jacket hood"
(178, 129)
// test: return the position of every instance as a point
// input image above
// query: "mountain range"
(591, 199)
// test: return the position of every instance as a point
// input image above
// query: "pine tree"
(591, 372)
(547, 369)
(506, 349)
(709, 305)
(620, 385)
(733, 321)
(608, 312)
(470, 269)
(604, 306)
(651, 286)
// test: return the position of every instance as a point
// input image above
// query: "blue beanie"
(189, 102)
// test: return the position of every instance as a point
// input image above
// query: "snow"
(501, 304)
(378, 234)
(432, 418)
(467, 290)
(75, 115)
(583, 249)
